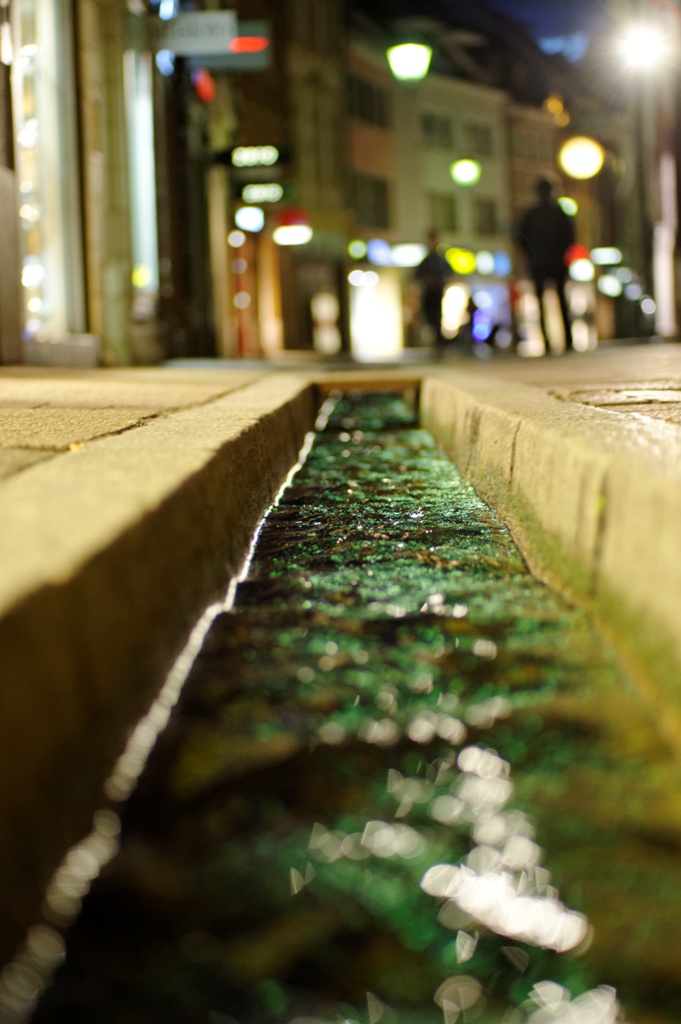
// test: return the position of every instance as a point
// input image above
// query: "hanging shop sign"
(198, 33)
(262, 192)
(249, 50)
(255, 156)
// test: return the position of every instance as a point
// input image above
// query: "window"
(478, 138)
(368, 102)
(443, 212)
(436, 129)
(485, 216)
(371, 201)
(531, 144)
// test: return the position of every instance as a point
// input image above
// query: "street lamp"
(643, 47)
(647, 49)
(581, 157)
(466, 172)
(409, 62)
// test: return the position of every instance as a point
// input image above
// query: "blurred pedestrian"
(545, 234)
(433, 274)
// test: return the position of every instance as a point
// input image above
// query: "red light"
(576, 252)
(249, 44)
(293, 215)
(204, 85)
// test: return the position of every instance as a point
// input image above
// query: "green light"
(568, 205)
(357, 249)
(466, 172)
(409, 62)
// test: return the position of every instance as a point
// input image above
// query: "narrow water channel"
(405, 783)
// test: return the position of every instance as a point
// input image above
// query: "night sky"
(557, 25)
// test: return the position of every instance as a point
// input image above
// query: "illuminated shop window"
(138, 100)
(43, 94)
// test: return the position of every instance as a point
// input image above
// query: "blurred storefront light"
(249, 218)
(609, 285)
(236, 238)
(568, 205)
(292, 234)
(462, 261)
(484, 262)
(376, 325)
(255, 156)
(409, 62)
(408, 254)
(581, 157)
(293, 229)
(502, 264)
(262, 192)
(582, 270)
(167, 9)
(357, 249)
(204, 85)
(606, 256)
(363, 278)
(165, 62)
(378, 252)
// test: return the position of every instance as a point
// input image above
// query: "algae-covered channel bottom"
(405, 783)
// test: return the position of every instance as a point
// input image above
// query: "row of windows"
(444, 213)
(476, 138)
(368, 102)
(371, 202)
(532, 145)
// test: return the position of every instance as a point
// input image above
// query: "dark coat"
(546, 233)
(433, 272)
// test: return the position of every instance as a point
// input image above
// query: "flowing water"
(405, 783)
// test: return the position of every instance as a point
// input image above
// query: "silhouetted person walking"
(546, 233)
(433, 273)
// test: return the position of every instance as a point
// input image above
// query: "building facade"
(153, 195)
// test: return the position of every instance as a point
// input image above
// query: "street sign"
(198, 33)
(250, 50)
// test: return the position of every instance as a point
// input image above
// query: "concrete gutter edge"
(592, 498)
(97, 642)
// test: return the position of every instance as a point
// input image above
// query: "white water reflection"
(502, 885)
(554, 1005)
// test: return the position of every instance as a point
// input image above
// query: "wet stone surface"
(404, 783)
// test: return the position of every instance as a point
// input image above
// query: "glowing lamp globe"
(409, 62)
(581, 157)
(465, 172)
(643, 47)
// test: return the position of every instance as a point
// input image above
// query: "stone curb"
(592, 497)
(131, 536)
